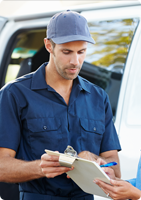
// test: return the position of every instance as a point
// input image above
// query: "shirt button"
(94, 128)
(45, 127)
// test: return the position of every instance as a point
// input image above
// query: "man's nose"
(74, 60)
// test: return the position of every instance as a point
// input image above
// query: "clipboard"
(84, 172)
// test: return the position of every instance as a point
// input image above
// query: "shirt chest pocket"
(44, 133)
(43, 124)
(91, 133)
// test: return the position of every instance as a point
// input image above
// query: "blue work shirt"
(136, 182)
(34, 117)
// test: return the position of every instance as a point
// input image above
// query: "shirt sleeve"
(10, 125)
(110, 139)
(132, 182)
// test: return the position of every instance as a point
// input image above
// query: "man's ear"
(48, 45)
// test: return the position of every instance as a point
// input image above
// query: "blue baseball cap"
(68, 26)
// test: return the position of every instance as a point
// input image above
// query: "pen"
(109, 164)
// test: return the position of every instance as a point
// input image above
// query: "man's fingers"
(51, 172)
(109, 171)
(52, 175)
(49, 160)
(51, 167)
(100, 161)
(86, 155)
(44, 164)
(49, 157)
(56, 169)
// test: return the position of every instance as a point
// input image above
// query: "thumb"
(100, 161)
(116, 183)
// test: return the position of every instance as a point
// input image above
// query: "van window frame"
(8, 52)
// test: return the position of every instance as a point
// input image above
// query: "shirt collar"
(84, 84)
(38, 79)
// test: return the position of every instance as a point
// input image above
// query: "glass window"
(27, 45)
(105, 60)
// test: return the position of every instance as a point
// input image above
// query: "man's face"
(68, 58)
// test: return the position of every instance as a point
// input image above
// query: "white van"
(113, 63)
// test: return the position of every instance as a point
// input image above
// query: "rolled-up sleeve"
(110, 139)
(10, 128)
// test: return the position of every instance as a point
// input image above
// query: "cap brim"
(71, 38)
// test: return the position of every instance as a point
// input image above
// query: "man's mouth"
(72, 70)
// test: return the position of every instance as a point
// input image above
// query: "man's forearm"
(14, 171)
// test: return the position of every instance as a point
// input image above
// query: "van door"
(3, 21)
(115, 63)
(130, 117)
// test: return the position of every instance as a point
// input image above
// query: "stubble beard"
(67, 76)
(62, 70)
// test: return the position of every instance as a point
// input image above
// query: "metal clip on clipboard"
(67, 159)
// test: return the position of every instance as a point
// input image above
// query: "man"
(120, 189)
(50, 109)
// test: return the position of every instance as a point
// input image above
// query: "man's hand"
(101, 161)
(88, 155)
(50, 166)
(110, 172)
(103, 158)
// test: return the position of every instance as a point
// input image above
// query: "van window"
(27, 45)
(105, 60)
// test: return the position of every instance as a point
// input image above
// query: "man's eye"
(66, 52)
(81, 52)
